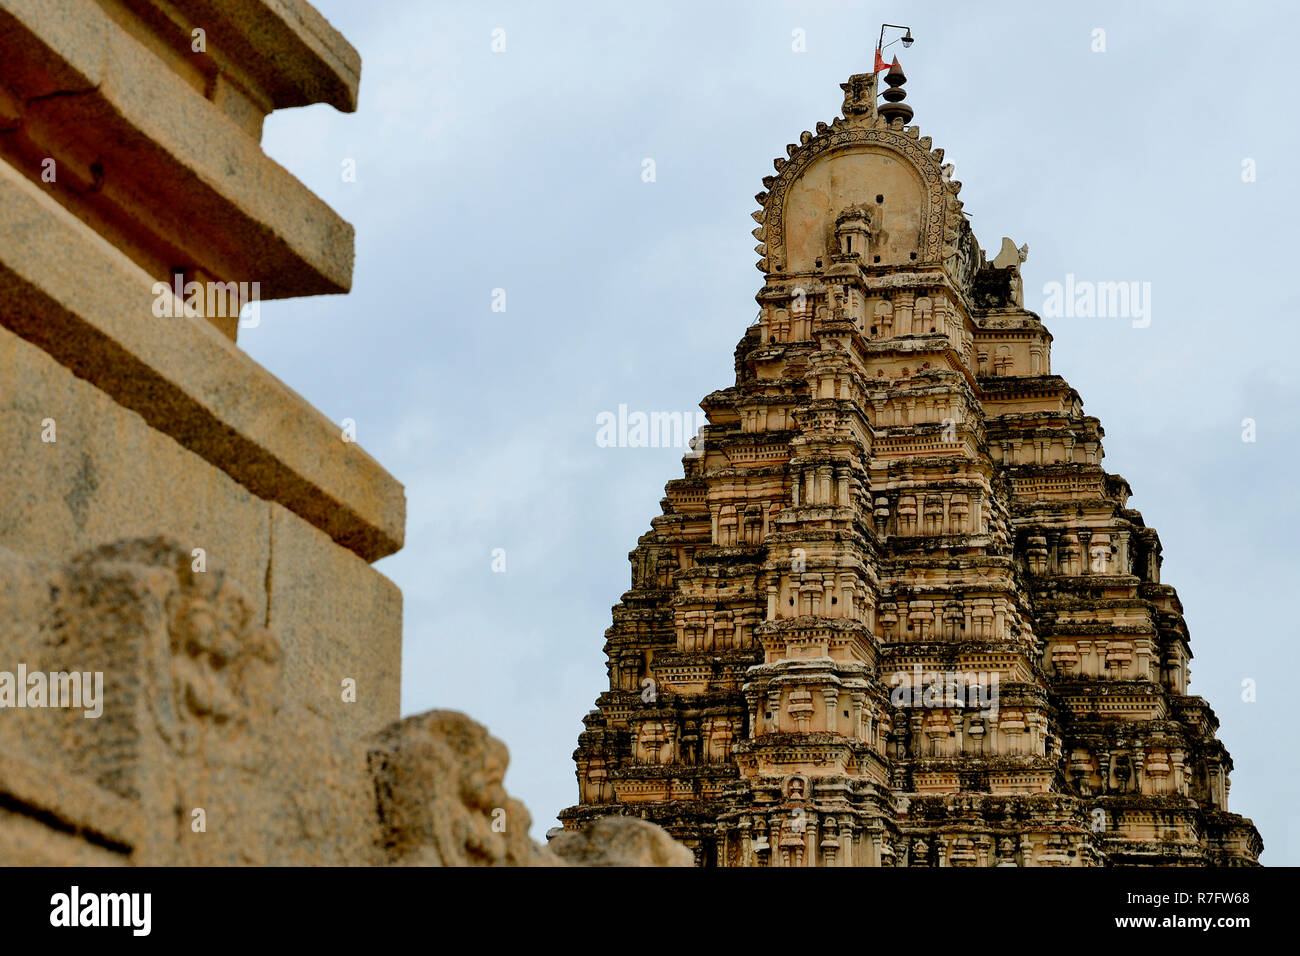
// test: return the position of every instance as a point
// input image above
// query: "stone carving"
(179, 644)
(218, 669)
(719, 735)
(620, 841)
(189, 703)
(852, 235)
(439, 785)
(192, 712)
(1009, 257)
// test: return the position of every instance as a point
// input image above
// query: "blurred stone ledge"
(67, 291)
(156, 144)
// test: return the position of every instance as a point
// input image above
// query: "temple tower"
(896, 612)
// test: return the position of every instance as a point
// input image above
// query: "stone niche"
(891, 191)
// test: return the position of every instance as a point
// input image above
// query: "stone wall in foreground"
(175, 518)
(179, 528)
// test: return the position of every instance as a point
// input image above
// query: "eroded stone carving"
(439, 782)
(212, 669)
(193, 714)
(441, 798)
(620, 841)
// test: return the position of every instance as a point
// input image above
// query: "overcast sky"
(522, 171)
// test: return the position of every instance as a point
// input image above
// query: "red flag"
(880, 62)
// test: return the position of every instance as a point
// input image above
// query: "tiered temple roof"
(896, 612)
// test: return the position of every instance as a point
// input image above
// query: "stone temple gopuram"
(896, 613)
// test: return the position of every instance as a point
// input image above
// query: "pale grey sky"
(521, 171)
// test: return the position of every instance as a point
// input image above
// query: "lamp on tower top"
(894, 107)
(907, 39)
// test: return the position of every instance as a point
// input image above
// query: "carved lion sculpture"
(439, 779)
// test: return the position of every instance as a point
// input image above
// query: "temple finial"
(894, 107)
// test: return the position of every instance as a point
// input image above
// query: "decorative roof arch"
(862, 126)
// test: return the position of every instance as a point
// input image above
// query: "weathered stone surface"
(177, 522)
(620, 841)
(351, 630)
(85, 487)
(203, 752)
(159, 169)
(294, 56)
(53, 818)
(108, 475)
(203, 756)
(88, 307)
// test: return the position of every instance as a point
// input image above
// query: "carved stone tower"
(896, 612)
